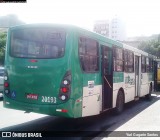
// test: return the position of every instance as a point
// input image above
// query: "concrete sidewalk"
(147, 120)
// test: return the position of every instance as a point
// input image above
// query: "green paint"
(43, 109)
(118, 77)
(45, 80)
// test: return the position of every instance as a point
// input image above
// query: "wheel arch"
(120, 101)
(115, 94)
(122, 90)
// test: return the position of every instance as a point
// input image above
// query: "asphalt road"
(141, 115)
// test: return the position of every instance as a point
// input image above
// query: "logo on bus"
(129, 80)
(90, 84)
(13, 94)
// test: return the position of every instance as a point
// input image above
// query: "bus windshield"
(37, 43)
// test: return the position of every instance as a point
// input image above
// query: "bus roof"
(71, 27)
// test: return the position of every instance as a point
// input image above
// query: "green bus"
(64, 70)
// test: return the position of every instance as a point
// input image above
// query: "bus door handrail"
(107, 82)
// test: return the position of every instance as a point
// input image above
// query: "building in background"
(114, 28)
(102, 27)
(117, 29)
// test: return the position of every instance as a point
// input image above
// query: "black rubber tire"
(148, 96)
(119, 103)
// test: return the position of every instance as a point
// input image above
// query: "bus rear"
(37, 70)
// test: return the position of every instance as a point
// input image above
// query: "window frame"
(60, 30)
(149, 67)
(143, 65)
(85, 54)
(115, 59)
(127, 55)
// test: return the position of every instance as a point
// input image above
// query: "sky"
(141, 17)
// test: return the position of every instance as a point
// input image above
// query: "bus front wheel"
(119, 103)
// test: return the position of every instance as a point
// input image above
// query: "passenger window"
(88, 54)
(143, 66)
(118, 59)
(128, 61)
(149, 63)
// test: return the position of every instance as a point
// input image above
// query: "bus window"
(88, 53)
(118, 59)
(107, 60)
(143, 59)
(149, 64)
(37, 43)
(128, 61)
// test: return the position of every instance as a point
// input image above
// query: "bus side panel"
(77, 78)
(92, 101)
(91, 84)
(129, 81)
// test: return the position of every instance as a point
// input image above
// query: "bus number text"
(46, 99)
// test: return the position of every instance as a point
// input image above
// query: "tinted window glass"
(118, 59)
(149, 67)
(128, 61)
(88, 53)
(143, 64)
(38, 43)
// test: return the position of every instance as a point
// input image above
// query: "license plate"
(32, 96)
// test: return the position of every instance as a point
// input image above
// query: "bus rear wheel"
(119, 103)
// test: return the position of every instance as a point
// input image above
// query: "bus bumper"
(64, 110)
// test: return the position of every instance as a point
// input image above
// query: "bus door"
(107, 77)
(137, 76)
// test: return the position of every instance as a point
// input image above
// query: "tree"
(3, 36)
(151, 46)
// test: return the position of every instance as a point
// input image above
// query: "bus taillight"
(6, 84)
(65, 88)
(66, 82)
(63, 97)
(5, 78)
(6, 91)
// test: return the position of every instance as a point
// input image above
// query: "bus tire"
(148, 96)
(119, 103)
